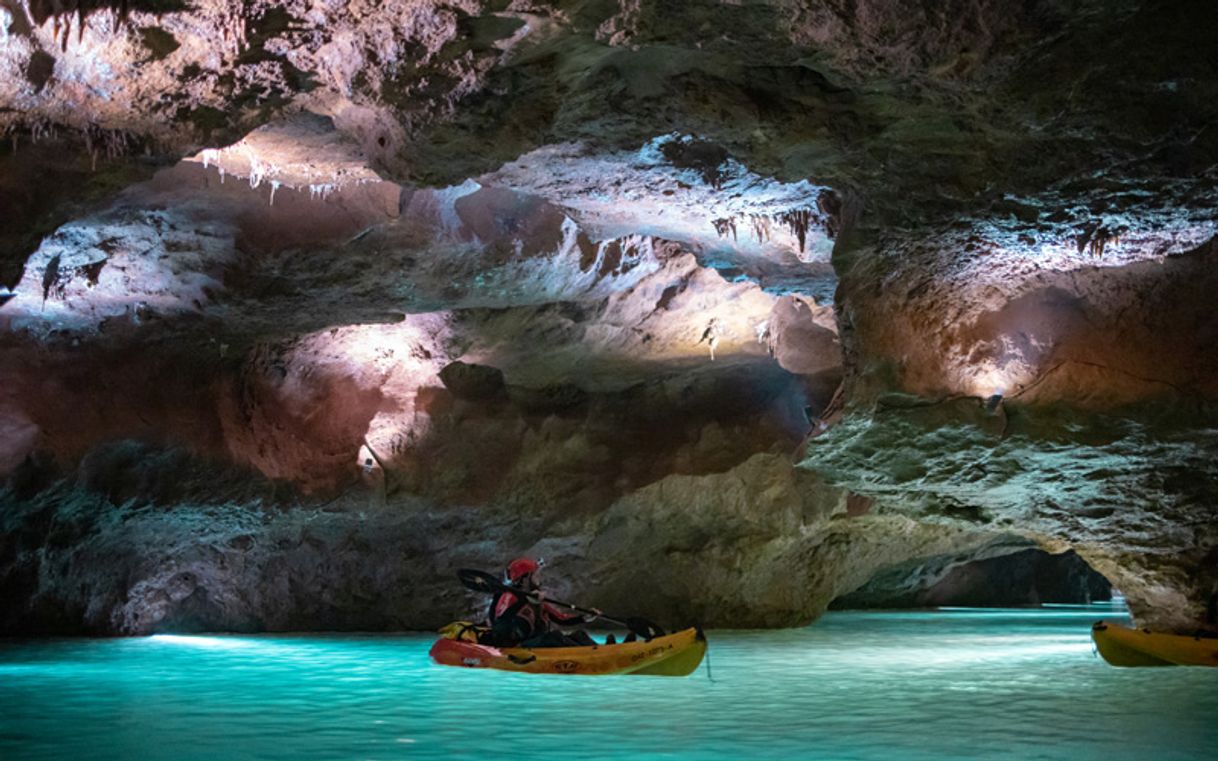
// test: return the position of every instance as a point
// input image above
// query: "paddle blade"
(645, 628)
(480, 581)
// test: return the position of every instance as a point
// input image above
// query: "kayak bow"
(1122, 646)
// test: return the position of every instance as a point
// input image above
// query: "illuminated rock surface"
(727, 308)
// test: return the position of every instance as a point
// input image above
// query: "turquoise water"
(954, 684)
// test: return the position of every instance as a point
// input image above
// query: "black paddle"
(481, 581)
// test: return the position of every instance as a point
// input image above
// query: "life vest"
(523, 615)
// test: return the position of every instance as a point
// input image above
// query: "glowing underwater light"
(210, 643)
(261, 647)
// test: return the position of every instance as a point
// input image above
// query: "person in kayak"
(526, 618)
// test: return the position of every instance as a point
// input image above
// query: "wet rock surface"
(728, 307)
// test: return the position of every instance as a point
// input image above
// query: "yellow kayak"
(1122, 646)
(677, 654)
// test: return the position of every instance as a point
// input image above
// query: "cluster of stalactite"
(99, 142)
(41, 10)
(725, 226)
(61, 13)
(796, 221)
(1096, 236)
(110, 143)
(37, 130)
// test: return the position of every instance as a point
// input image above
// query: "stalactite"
(50, 277)
(110, 143)
(1101, 239)
(61, 13)
(761, 227)
(797, 221)
(234, 31)
(257, 169)
(724, 226)
(42, 129)
(1096, 236)
(320, 190)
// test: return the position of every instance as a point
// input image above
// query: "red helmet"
(521, 567)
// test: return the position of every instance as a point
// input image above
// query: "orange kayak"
(1122, 646)
(677, 654)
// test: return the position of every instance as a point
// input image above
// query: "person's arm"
(553, 613)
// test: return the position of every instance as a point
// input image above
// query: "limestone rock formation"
(728, 307)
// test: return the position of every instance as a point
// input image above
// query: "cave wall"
(149, 540)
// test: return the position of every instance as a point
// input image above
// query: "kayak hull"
(1123, 646)
(677, 654)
